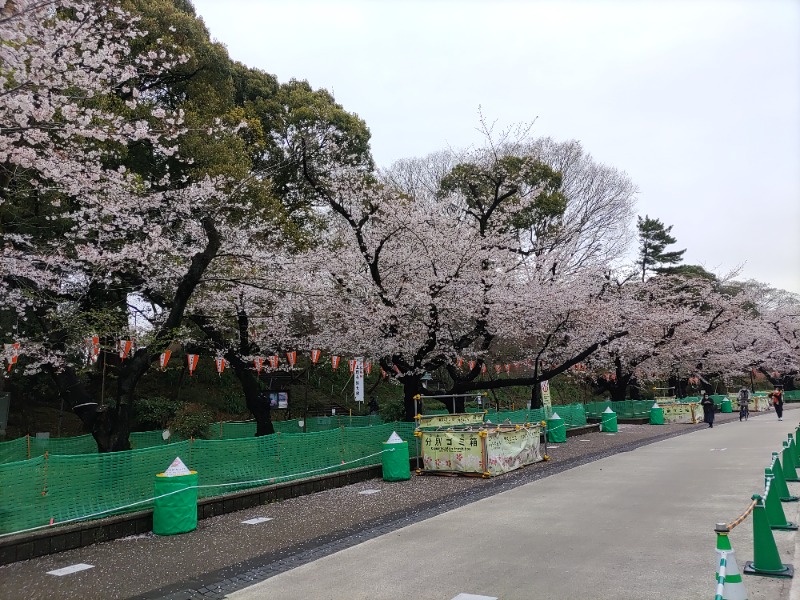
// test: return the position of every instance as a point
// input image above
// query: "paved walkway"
(635, 525)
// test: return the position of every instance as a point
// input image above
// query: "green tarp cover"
(177, 512)
(609, 422)
(656, 416)
(556, 431)
(395, 462)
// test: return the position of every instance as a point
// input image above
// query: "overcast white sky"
(698, 101)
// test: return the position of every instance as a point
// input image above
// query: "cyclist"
(744, 401)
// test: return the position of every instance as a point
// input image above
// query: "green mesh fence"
(14, 450)
(791, 396)
(292, 426)
(148, 439)
(228, 431)
(336, 421)
(63, 487)
(31, 447)
(625, 409)
(717, 399)
(574, 415)
(81, 444)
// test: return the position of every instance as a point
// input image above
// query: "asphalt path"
(634, 525)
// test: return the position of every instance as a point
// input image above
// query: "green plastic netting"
(63, 487)
(14, 450)
(625, 409)
(574, 415)
(30, 447)
(63, 479)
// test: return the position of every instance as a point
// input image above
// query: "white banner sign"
(358, 379)
(546, 400)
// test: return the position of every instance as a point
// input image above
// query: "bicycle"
(744, 412)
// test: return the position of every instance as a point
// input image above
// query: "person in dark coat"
(708, 409)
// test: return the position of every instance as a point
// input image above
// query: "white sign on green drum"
(556, 429)
(394, 459)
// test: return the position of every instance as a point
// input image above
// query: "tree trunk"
(679, 385)
(412, 386)
(120, 415)
(257, 403)
(618, 390)
(619, 383)
(634, 388)
(536, 395)
(109, 425)
(787, 381)
(457, 404)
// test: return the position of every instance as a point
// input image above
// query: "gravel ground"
(224, 554)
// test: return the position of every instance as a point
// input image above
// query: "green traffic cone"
(772, 503)
(797, 437)
(789, 472)
(766, 560)
(783, 489)
(733, 586)
(793, 446)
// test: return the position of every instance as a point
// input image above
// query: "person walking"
(777, 401)
(708, 409)
(744, 403)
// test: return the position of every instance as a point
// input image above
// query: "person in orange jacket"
(777, 401)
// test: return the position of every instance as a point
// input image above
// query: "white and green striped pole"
(720, 595)
(729, 580)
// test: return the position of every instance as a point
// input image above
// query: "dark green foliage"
(688, 271)
(155, 412)
(192, 421)
(494, 191)
(391, 410)
(654, 238)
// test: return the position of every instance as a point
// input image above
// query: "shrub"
(391, 410)
(192, 420)
(155, 412)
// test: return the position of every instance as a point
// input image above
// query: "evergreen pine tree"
(654, 237)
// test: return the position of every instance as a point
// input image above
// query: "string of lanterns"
(124, 347)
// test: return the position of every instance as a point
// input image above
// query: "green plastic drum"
(726, 406)
(656, 415)
(556, 430)
(395, 462)
(176, 513)
(608, 423)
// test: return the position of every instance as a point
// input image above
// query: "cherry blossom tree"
(433, 270)
(150, 211)
(71, 112)
(677, 330)
(771, 335)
